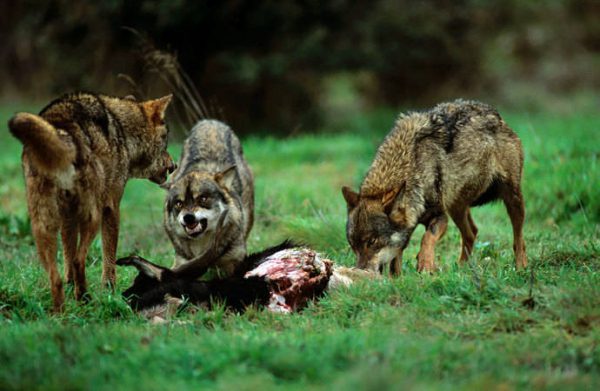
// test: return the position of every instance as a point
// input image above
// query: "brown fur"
(78, 153)
(444, 161)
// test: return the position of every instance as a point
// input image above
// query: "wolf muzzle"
(194, 226)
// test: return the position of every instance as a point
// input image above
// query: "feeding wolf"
(210, 200)
(78, 154)
(432, 164)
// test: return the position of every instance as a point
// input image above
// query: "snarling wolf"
(78, 153)
(443, 161)
(210, 200)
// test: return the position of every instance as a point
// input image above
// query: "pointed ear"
(388, 199)
(226, 177)
(350, 196)
(144, 266)
(155, 109)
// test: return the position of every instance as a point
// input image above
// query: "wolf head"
(153, 161)
(378, 227)
(197, 204)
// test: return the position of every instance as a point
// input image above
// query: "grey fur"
(213, 183)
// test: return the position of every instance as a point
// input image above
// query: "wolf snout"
(194, 226)
(189, 219)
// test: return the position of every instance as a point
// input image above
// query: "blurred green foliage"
(266, 64)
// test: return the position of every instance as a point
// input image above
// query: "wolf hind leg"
(472, 225)
(46, 240)
(515, 206)
(43, 212)
(69, 233)
(436, 228)
(87, 232)
(110, 238)
(468, 231)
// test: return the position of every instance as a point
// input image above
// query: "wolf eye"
(178, 205)
(371, 242)
(203, 200)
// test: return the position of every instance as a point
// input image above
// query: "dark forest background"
(293, 65)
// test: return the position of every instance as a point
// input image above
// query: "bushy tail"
(43, 144)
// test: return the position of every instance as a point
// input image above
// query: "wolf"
(210, 199)
(433, 164)
(78, 154)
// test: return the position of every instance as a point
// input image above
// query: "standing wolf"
(210, 200)
(78, 153)
(443, 161)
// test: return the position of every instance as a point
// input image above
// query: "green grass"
(460, 328)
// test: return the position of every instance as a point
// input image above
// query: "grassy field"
(460, 328)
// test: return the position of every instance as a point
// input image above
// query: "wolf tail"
(43, 145)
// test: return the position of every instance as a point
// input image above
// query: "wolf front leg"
(436, 228)
(396, 265)
(110, 239)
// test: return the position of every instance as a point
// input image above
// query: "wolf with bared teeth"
(210, 200)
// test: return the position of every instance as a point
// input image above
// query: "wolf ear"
(350, 196)
(388, 199)
(155, 109)
(225, 178)
(144, 266)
